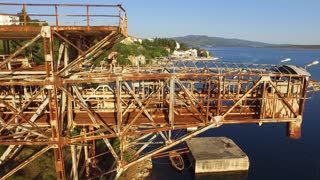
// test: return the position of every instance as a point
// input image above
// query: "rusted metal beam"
(26, 162)
(118, 105)
(88, 53)
(74, 162)
(8, 59)
(137, 99)
(171, 100)
(283, 99)
(17, 114)
(174, 143)
(172, 96)
(144, 146)
(262, 79)
(68, 42)
(192, 99)
(127, 127)
(61, 5)
(91, 114)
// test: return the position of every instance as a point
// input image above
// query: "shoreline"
(272, 47)
(141, 170)
(212, 58)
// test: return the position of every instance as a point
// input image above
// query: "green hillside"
(197, 40)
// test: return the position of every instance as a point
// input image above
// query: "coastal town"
(176, 53)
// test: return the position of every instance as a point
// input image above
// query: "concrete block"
(216, 154)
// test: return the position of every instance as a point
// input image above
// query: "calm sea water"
(272, 155)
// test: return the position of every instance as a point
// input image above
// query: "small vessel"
(176, 160)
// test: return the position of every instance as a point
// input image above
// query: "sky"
(270, 21)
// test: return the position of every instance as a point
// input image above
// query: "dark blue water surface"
(272, 155)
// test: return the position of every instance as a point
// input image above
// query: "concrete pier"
(216, 154)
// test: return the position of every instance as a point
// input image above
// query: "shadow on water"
(237, 175)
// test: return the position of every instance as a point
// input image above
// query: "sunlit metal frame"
(147, 108)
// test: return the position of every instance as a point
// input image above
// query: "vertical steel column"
(122, 137)
(14, 103)
(219, 95)
(118, 104)
(263, 100)
(294, 128)
(69, 100)
(92, 149)
(6, 47)
(86, 154)
(171, 103)
(74, 162)
(303, 95)
(53, 104)
(208, 99)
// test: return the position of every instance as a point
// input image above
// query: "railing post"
(24, 15)
(56, 14)
(124, 25)
(88, 17)
(119, 23)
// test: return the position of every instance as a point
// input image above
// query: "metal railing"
(55, 14)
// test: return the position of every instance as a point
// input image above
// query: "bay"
(272, 154)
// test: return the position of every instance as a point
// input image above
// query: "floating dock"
(216, 154)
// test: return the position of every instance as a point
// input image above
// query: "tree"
(183, 46)
(29, 21)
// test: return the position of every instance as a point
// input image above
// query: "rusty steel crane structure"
(69, 107)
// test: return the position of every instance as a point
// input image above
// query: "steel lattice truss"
(69, 106)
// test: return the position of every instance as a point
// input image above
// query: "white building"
(185, 54)
(178, 53)
(177, 45)
(141, 59)
(191, 53)
(6, 20)
(130, 40)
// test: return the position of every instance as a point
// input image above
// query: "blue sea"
(273, 156)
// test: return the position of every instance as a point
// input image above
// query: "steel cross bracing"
(76, 111)
(141, 109)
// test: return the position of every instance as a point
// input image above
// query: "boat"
(176, 160)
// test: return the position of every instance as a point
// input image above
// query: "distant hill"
(207, 41)
(201, 40)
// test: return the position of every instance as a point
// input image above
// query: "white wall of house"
(187, 53)
(136, 59)
(192, 53)
(178, 53)
(9, 20)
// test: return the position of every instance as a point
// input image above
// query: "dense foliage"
(150, 49)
